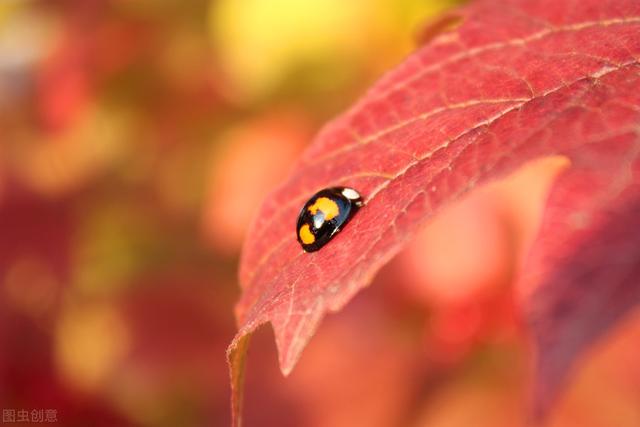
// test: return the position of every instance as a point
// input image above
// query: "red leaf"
(517, 80)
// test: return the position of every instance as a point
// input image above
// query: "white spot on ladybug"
(350, 194)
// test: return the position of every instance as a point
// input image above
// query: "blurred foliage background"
(137, 141)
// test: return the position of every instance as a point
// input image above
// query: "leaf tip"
(288, 358)
(446, 23)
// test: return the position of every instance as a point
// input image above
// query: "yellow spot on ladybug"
(306, 236)
(327, 206)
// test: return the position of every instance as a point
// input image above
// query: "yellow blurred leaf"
(260, 42)
(90, 340)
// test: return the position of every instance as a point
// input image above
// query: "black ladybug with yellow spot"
(324, 215)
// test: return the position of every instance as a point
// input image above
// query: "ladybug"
(324, 215)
